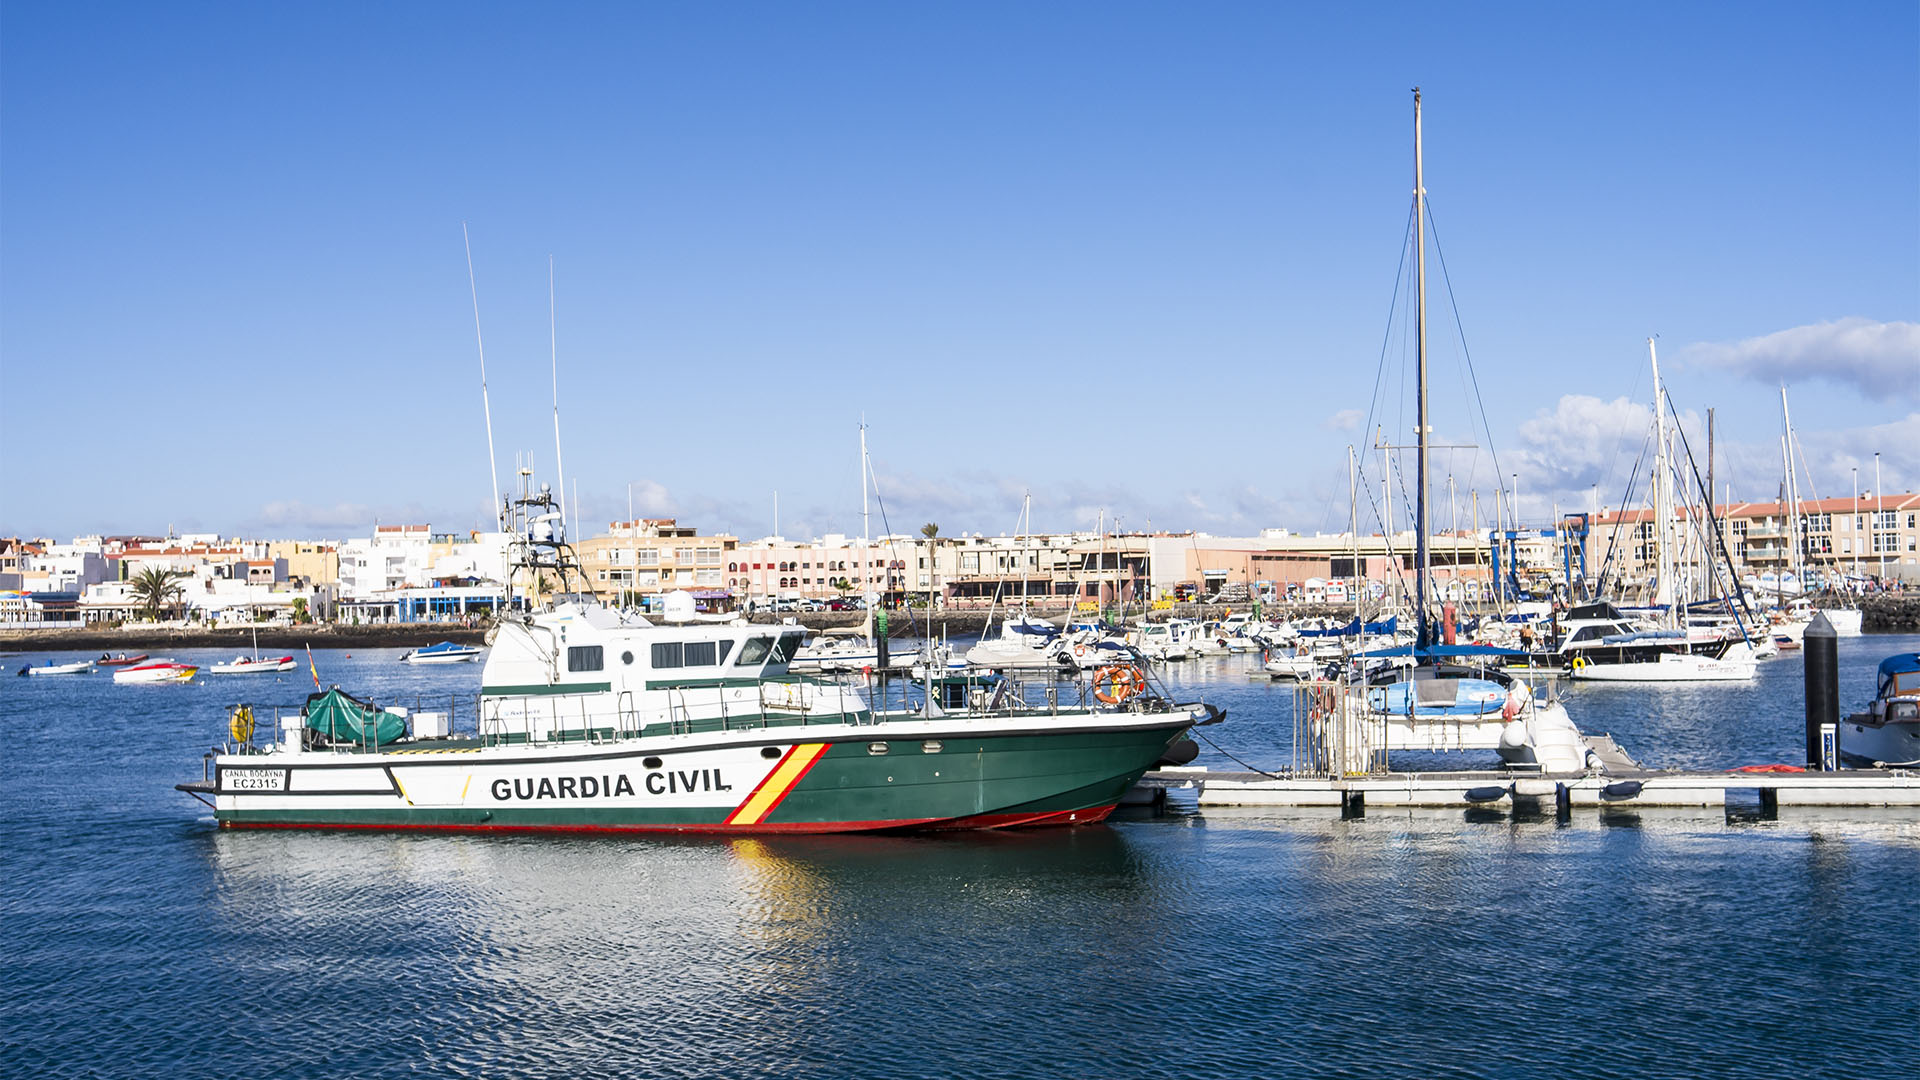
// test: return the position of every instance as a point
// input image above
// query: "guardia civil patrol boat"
(595, 719)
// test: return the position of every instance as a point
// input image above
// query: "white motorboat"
(1845, 621)
(77, 667)
(156, 671)
(447, 652)
(1888, 733)
(1669, 667)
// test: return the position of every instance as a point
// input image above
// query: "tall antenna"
(493, 473)
(553, 344)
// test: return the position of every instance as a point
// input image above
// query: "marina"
(1229, 914)
(942, 542)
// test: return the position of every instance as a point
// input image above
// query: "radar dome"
(679, 607)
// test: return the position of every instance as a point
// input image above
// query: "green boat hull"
(960, 779)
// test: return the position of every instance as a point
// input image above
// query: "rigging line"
(1793, 441)
(493, 468)
(1461, 330)
(1394, 307)
(1613, 460)
(1720, 542)
(1386, 337)
(1613, 538)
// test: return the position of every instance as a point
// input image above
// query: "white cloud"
(1881, 360)
(1344, 420)
(1831, 457)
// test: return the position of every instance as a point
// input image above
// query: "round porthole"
(876, 748)
(651, 763)
(769, 752)
(626, 657)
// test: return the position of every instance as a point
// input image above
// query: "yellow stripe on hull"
(777, 784)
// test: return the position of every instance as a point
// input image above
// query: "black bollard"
(1821, 650)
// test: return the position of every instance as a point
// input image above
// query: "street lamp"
(1873, 525)
(1856, 522)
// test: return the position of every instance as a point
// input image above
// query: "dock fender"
(1621, 789)
(1486, 794)
(1179, 752)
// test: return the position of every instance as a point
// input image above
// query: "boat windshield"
(754, 652)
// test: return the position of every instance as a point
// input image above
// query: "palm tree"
(156, 588)
(930, 531)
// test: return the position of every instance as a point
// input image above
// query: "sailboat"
(851, 648)
(1444, 702)
(1791, 623)
(1664, 653)
(255, 664)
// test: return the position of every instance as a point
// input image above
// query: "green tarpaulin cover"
(338, 717)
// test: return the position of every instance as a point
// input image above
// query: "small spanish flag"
(312, 668)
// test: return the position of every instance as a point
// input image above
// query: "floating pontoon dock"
(1611, 787)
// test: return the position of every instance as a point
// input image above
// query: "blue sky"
(1138, 259)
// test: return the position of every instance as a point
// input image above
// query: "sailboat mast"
(1793, 491)
(1662, 497)
(1353, 499)
(1420, 277)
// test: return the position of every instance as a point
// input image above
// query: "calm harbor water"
(141, 941)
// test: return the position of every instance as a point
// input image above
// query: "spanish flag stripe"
(782, 780)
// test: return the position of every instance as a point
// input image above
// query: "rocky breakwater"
(276, 639)
(1889, 613)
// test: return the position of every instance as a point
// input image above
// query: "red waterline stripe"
(731, 830)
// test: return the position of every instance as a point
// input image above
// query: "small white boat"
(1888, 733)
(156, 671)
(254, 665)
(446, 652)
(1301, 664)
(77, 667)
(1670, 667)
(1845, 621)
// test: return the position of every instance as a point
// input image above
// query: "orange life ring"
(1079, 650)
(1123, 680)
(1322, 701)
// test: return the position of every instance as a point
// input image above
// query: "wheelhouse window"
(585, 658)
(700, 654)
(668, 654)
(754, 651)
(787, 646)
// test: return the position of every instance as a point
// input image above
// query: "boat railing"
(1333, 735)
(261, 728)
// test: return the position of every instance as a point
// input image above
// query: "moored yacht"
(1888, 733)
(446, 652)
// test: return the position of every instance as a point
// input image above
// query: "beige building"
(634, 560)
(309, 562)
(1871, 537)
